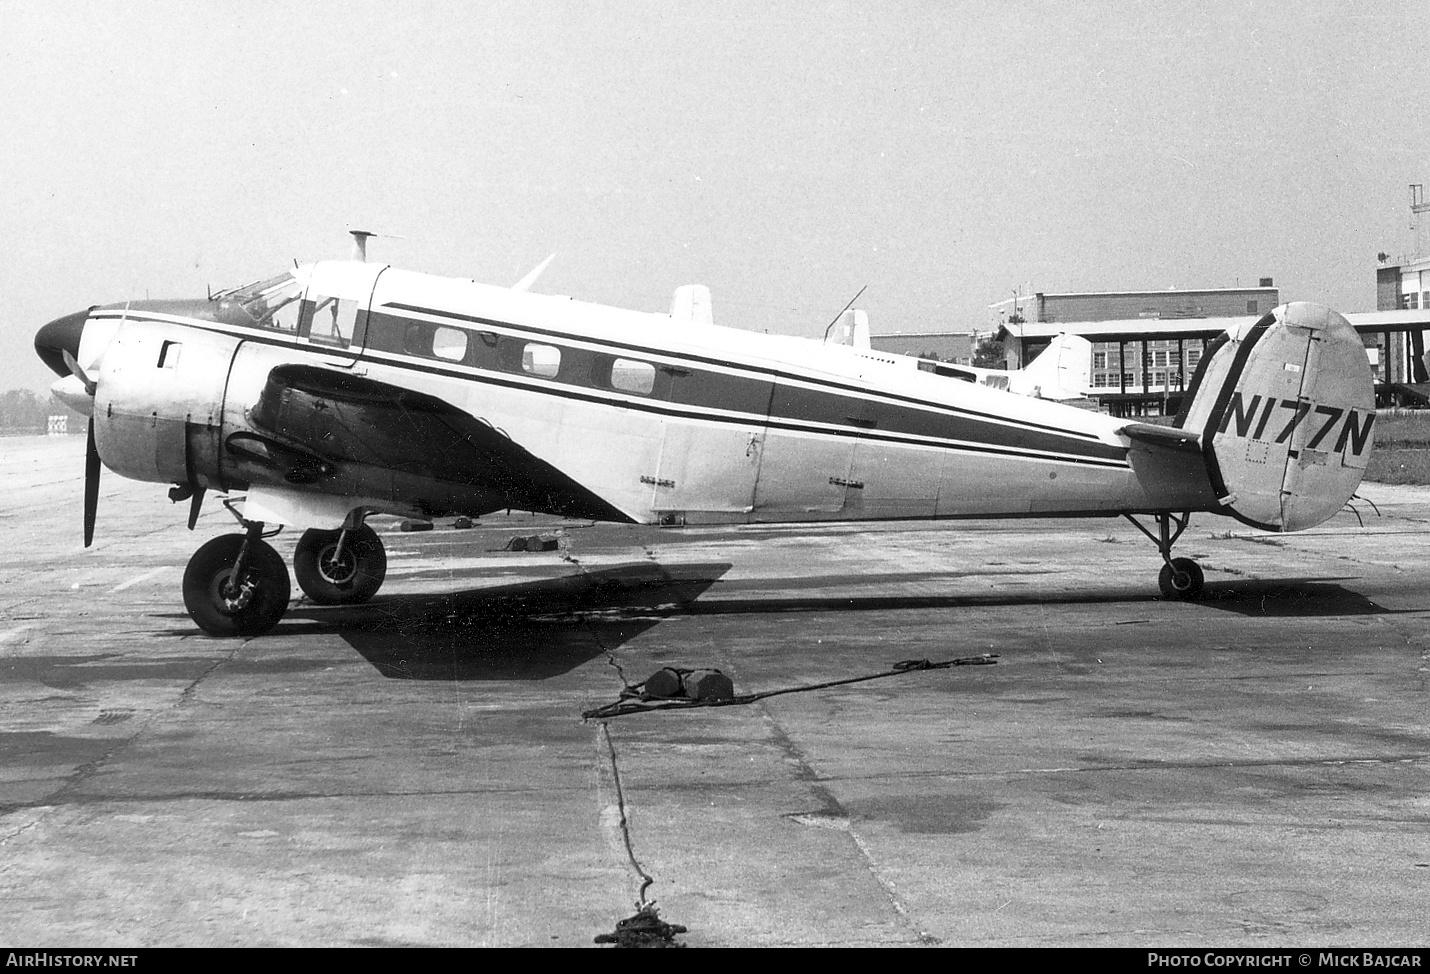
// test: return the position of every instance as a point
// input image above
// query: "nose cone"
(60, 336)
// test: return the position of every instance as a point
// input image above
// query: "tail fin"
(1059, 372)
(1284, 408)
(850, 328)
(692, 303)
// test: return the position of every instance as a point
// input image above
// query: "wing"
(317, 424)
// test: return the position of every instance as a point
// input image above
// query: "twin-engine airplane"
(1059, 372)
(342, 389)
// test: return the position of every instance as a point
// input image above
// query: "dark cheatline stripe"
(795, 403)
(760, 369)
(891, 419)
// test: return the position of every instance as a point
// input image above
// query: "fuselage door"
(333, 316)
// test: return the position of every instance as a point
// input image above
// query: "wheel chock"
(533, 543)
(411, 524)
(663, 683)
(670, 683)
(709, 685)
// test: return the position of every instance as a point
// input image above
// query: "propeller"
(57, 344)
(91, 484)
(92, 463)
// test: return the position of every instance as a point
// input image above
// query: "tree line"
(26, 411)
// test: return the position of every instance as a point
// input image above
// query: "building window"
(1099, 360)
(1251, 307)
(1194, 355)
(1159, 359)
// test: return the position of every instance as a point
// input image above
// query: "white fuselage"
(669, 420)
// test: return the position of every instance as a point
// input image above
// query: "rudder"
(1285, 408)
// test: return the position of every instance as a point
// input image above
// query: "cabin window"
(962, 375)
(628, 375)
(169, 355)
(329, 321)
(450, 344)
(541, 360)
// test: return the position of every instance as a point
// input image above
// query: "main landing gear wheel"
(1181, 578)
(248, 604)
(340, 568)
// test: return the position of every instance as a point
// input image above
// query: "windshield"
(267, 304)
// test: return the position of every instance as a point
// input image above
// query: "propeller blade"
(195, 502)
(74, 367)
(91, 485)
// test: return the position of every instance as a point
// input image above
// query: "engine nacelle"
(158, 402)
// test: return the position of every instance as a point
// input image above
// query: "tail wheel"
(1181, 579)
(223, 605)
(330, 573)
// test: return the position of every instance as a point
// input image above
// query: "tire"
(257, 608)
(354, 578)
(1182, 579)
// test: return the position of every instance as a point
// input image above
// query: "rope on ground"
(635, 700)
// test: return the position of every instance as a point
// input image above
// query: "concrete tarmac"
(1246, 770)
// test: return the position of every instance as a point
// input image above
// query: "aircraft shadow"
(530, 630)
(538, 629)
(1253, 597)
(1292, 598)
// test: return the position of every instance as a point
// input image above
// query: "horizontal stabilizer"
(1163, 436)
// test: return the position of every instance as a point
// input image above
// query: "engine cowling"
(158, 402)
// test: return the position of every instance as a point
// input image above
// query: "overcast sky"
(785, 154)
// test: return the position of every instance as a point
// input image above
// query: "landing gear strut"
(237, 585)
(1181, 578)
(340, 567)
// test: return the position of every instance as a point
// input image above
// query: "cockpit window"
(267, 304)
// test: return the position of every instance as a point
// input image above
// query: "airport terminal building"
(1143, 341)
